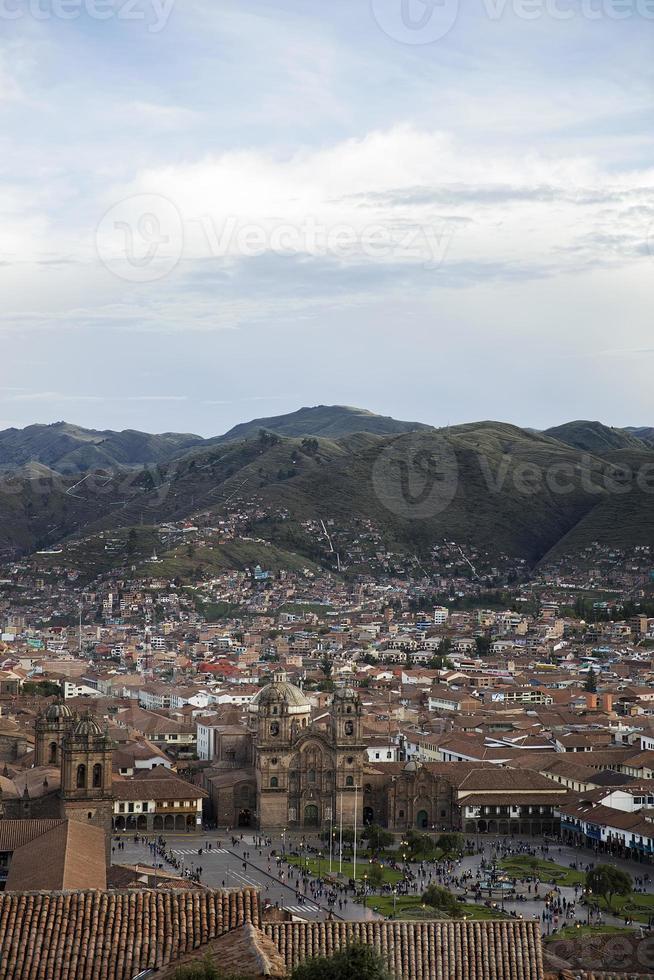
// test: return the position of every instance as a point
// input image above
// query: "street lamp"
(319, 861)
(284, 842)
(394, 901)
(365, 889)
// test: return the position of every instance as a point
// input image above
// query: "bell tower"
(86, 793)
(346, 718)
(49, 731)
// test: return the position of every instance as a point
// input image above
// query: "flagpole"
(340, 846)
(356, 792)
(331, 833)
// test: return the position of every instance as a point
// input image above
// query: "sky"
(212, 211)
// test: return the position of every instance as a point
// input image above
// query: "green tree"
(354, 963)
(421, 846)
(443, 900)
(375, 874)
(378, 838)
(591, 681)
(450, 844)
(483, 644)
(607, 881)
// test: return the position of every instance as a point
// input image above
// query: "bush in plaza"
(439, 898)
(451, 845)
(378, 839)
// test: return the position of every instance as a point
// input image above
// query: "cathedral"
(287, 772)
(72, 775)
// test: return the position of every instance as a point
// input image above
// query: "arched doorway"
(157, 823)
(119, 823)
(141, 823)
(169, 822)
(180, 823)
(422, 820)
(311, 815)
(245, 818)
(482, 826)
(190, 822)
(368, 815)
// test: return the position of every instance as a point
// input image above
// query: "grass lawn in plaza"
(572, 932)
(524, 866)
(636, 906)
(410, 907)
(321, 868)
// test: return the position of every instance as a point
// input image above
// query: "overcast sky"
(215, 210)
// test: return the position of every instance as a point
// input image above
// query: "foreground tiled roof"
(111, 935)
(69, 856)
(15, 833)
(508, 950)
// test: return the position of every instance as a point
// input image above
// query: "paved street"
(225, 865)
(236, 861)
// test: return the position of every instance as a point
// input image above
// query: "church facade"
(304, 776)
(72, 773)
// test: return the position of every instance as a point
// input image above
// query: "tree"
(378, 838)
(439, 898)
(421, 846)
(607, 881)
(353, 963)
(591, 681)
(375, 874)
(450, 844)
(483, 644)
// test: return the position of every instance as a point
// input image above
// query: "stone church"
(72, 774)
(285, 772)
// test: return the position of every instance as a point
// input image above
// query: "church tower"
(349, 755)
(49, 731)
(86, 775)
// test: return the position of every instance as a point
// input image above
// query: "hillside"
(70, 448)
(644, 432)
(491, 485)
(326, 421)
(594, 436)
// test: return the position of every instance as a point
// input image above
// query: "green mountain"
(643, 432)
(326, 421)
(494, 486)
(69, 448)
(594, 436)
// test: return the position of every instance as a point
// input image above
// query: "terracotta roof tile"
(94, 935)
(423, 950)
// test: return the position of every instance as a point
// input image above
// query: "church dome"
(57, 711)
(345, 694)
(280, 692)
(87, 726)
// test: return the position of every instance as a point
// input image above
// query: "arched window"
(274, 782)
(53, 753)
(349, 781)
(312, 775)
(81, 777)
(97, 775)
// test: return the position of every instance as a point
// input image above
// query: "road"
(237, 862)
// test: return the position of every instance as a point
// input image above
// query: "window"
(97, 775)
(401, 813)
(274, 729)
(81, 777)
(311, 775)
(350, 760)
(389, 755)
(273, 761)
(349, 781)
(274, 782)
(53, 753)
